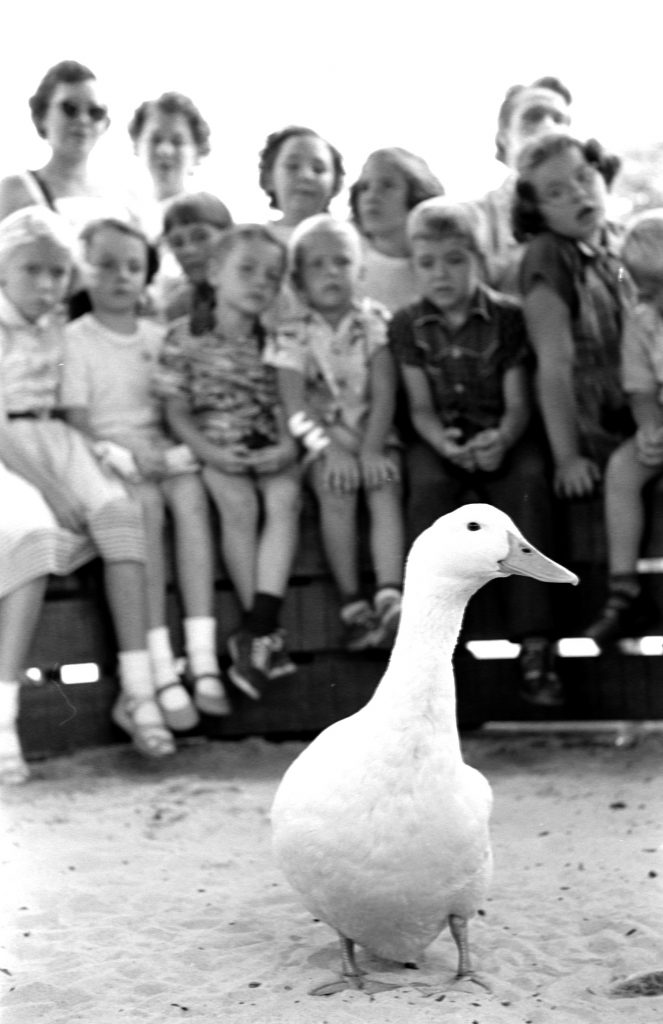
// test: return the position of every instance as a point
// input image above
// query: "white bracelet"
(306, 430)
(300, 423)
(316, 440)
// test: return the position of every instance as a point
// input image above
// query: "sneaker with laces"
(359, 626)
(540, 684)
(388, 615)
(623, 614)
(250, 656)
(280, 663)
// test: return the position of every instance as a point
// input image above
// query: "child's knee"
(118, 530)
(152, 504)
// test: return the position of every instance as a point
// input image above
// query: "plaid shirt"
(464, 366)
(231, 392)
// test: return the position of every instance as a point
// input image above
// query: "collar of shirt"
(607, 244)
(428, 312)
(357, 306)
(10, 316)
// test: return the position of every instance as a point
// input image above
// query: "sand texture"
(149, 894)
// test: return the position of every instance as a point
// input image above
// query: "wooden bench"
(75, 628)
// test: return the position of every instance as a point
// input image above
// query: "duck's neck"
(418, 685)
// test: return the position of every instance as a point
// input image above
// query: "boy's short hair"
(320, 223)
(526, 217)
(439, 218)
(246, 233)
(197, 208)
(93, 228)
(173, 103)
(642, 249)
(270, 151)
(508, 105)
(421, 182)
(32, 224)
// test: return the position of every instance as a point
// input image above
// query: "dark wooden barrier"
(330, 684)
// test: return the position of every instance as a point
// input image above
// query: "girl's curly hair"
(173, 103)
(527, 219)
(270, 152)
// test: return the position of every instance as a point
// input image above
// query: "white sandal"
(211, 699)
(184, 716)
(150, 737)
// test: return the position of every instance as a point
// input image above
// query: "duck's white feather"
(379, 824)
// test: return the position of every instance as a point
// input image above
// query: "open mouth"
(586, 212)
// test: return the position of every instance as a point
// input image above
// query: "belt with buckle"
(36, 414)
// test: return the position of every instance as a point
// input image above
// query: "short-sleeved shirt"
(110, 375)
(335, 362)
(30, 360)
(590, 283)
(502, 253)
(230, 390)
(642, 351)
(464, 366)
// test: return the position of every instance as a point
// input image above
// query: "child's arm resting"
(179, 419)
(549, 327)
(427, 422)
(376, 467)
(492, 445)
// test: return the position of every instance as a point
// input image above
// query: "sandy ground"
(134, 893)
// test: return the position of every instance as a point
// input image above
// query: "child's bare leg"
(278, 539)
(176, 705)
(387, 538)
(626, 610)
(387, 534)
(338, 528)
(126, 592)
(624, 510)
(194, 549)
(194, 552)
(237, 501)
(152, 503)
(19, 614)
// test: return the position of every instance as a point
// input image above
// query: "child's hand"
(114, 458)
(340, 470)
(377, 469)
(460, 454)
(489, 449)
(230, 460)
(649, 445)
(151, 463)
(274, 458)
(576, 478)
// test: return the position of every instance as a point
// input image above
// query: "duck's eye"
(474, 526)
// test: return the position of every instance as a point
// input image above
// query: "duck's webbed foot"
(352, 978)
(465, 976)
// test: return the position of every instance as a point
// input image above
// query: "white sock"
(9, 695)
(135, 674)
(200, 645)
(162, 658)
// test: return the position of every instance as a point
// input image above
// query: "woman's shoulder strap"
(39, 189)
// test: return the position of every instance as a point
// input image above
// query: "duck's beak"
(523, 559)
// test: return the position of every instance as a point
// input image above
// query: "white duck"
(379, 824)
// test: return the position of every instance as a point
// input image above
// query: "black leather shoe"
(622, 615)
(540, 684)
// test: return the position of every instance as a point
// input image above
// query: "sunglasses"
(72, 110)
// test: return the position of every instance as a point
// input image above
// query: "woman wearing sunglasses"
(68, 113)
